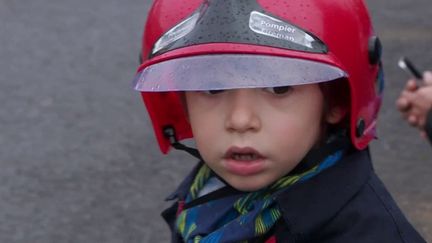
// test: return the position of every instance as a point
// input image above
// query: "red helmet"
(227, 44)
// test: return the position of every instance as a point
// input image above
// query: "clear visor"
(230, 71)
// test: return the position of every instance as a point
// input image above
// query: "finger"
(423, 134)
(411, 85)
(415, 111)
(421, 122)
(403, 104)
(412, 120)
(427, 76)
(408, 95)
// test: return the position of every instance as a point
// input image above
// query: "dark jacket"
(428, 125)
(346, 203)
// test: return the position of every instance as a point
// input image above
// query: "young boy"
(282, 99)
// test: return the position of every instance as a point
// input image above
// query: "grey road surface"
(78, 161)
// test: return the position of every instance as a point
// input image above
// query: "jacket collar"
(309, 205)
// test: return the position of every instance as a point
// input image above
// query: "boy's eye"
(279, 90)
(213, 92)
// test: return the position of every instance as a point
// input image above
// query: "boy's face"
(253, 137)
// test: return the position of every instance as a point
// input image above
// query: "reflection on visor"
(216, 72)
(179, 31)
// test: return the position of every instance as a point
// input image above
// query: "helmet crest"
(246, 22)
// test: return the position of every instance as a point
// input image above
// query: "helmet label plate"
(269, 26)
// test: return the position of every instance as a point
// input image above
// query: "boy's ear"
(336, 114)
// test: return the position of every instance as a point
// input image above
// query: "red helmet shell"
(344, 26)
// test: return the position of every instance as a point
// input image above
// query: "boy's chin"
(248, 184)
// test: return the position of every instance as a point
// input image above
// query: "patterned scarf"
(241, 217)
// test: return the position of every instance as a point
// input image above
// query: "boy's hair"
(336, 94)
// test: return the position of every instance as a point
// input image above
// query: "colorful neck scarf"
(241, 217)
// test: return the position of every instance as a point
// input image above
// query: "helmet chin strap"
(336, 142)
(169, 133)
(339, 140)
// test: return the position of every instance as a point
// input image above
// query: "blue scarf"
(241, 217)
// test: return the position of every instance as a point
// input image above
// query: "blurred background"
(78, 160)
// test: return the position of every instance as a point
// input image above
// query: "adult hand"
(415, 102)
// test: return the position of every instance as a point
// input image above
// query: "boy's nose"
(242, 115)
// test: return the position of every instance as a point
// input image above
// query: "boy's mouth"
(244, 161)
(243, 154)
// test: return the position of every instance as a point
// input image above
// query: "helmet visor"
(230, 71)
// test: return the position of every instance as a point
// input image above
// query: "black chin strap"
(336, 142)
(169, 133)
